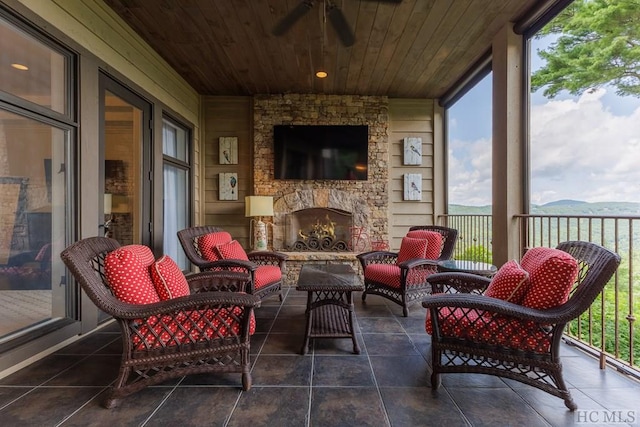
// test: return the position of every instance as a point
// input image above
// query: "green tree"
(598, 44)
(476, 253)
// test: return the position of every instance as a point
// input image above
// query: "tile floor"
(386, 385)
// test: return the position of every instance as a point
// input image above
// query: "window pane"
(469, 139)
(176, 211)
(31, 70)
(174, 141)
(32, 223)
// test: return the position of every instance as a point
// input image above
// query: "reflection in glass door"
(127, 200)
(32, 231)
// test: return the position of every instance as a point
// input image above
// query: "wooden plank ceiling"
(406, 49)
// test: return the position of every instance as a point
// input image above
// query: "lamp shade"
(107, 203)
(258, 206)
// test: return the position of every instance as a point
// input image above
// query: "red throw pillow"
(208, 243)
(231, 250)
(434, 242)
(168, 279)
(411, 248)
(509, 284)
(552, 273)
(127, 272)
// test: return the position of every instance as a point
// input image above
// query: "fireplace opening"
(318, 229)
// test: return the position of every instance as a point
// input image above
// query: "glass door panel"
(33, 207)
(122, 170)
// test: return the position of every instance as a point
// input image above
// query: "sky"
(582, 147)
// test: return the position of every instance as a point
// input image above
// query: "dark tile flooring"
(386, 385)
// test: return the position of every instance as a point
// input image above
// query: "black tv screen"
(321, 152)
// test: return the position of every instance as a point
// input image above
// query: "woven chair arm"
(208, 281)
(459, 282)
(416, 262)
(488, 305)
(267, 257)
(187, 303)
(226, 264)
(377, 257)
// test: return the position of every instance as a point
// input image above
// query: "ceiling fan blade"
(340, 24)
(292, 17)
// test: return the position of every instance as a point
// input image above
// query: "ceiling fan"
(333, 12)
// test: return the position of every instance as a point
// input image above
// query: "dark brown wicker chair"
(189, 240)
(147, 359)
(413, 286)
(466, 353)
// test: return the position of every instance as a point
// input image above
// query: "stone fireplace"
(318, 229)
(317, 220)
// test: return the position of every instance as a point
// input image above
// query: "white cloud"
(579, 150)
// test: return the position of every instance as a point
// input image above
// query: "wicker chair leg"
(569, 403)
(435, 381)
(364, 295)
(246, 381)
(110, 402)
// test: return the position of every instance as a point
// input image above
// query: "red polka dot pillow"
(168, 279)
(552, 273)
(127, 272)
(434, 242)
(231, 250)
(411, 248)
(207, 244)
(509, 284)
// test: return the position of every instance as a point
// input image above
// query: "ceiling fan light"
(321, 74)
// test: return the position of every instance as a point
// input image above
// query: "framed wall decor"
(412, 151)
(228, 186)
(228, 150)
(412, 186)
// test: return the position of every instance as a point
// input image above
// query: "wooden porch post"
(508, 143)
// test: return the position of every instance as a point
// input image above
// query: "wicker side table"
(329, 311)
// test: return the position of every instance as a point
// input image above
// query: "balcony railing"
(608, 329)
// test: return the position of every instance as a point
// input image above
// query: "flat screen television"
(337, 152)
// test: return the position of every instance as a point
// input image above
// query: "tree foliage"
(598, 44)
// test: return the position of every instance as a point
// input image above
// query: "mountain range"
(561, 207)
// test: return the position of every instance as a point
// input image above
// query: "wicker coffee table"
(329, 301)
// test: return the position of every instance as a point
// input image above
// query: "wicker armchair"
(473, 333)
(251, 270)
(171, 338)
(409, 285)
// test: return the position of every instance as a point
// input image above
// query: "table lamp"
(258, 206)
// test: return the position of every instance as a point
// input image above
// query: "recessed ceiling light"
(20, 67)
(321, 74)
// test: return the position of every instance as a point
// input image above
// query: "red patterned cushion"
(507, 332)
(231, 250)
(168, 279)
(552, 273)
(434, 242)
(208, 242)
(127, 271)
(266, 275)
(411, 248)
(388, 274)
(510, 283)
(190, 328)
